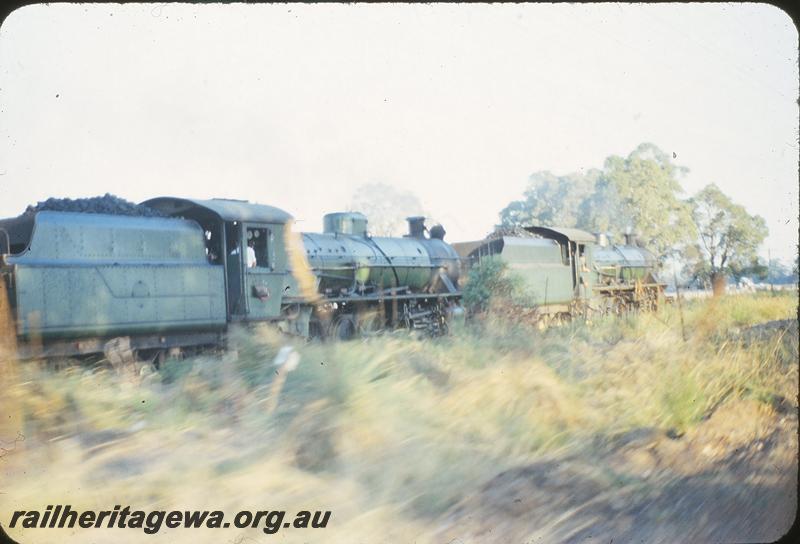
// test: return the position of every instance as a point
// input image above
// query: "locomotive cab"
(247, 241)
(555, 264)
(577, 252)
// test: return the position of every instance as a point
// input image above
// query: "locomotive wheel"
(344, 328)
(369, 324)
(315, 329)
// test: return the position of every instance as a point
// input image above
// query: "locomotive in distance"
(176, 273)
(569, 272)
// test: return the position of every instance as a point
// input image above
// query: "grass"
(403, 429)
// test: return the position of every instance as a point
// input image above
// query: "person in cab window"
(251, 254)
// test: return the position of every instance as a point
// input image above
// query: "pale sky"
(297, 105)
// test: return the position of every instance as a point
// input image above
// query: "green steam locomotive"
(176, 273)
(569, 272)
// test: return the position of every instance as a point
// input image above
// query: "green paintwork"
(342, 261)
(539, 263)
(272, 277)
(94, 274)
(345, 223)
(625, 264)
(255, 293)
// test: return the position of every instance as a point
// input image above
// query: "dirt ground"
(718, 483)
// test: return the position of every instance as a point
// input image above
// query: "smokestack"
(416, 227)
(632, 239)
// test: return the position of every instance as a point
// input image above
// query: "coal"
(514, 231)
(107, 204)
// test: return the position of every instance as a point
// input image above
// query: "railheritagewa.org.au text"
(63, 516)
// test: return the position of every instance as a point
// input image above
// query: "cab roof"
(225, 209)
(574, 235)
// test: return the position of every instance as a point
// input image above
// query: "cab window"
(564, 253)
(582, 257)
(258, 247)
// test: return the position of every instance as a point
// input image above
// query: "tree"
(646, 187)
(728, 237)
(553, 200)
(492, 283)
(386, 208)
(776, 271)
(637, 193)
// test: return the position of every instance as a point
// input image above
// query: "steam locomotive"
(569, 272)
(176, 273)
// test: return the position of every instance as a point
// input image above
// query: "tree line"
(709, 234)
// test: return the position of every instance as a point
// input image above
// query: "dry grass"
(390, 433)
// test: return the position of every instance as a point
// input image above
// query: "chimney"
(632, 239)
(416, 227)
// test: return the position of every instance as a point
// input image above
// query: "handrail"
(8, 241)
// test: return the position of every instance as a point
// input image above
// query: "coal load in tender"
(108, 204)
(514, 231)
